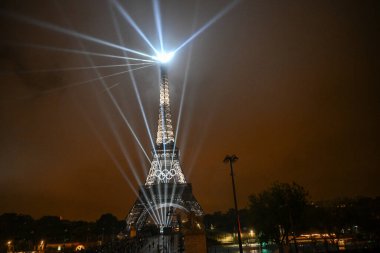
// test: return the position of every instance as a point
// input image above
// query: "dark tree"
(51, 228)
(108, 225)
(222, 222)
(276, 212)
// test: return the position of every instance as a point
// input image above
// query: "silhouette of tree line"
(25, 232)
(284, 211)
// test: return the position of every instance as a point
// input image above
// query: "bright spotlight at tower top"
(164, 57)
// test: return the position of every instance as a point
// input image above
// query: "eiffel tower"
(166, 190)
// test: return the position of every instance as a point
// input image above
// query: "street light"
(251, 233)
(10, 247)
(231, 159)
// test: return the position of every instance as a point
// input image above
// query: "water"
(235, 249)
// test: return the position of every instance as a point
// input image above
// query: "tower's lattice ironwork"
(165, 127)
(165, 185)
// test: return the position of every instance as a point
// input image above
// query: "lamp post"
(231, 159)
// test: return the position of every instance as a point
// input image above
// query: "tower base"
(171, 197)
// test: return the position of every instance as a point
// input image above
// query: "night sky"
(290, 87)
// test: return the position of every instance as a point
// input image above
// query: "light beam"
(77, 68)
(209, 23)
(157, 18)
(92, 80)
(76, 51)
(66, 31)
(125, 14)
(117, 28)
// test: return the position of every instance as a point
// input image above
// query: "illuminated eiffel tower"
(166, 190)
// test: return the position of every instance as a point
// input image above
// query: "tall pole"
(231, 159)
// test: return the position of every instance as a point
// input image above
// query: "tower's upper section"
(165, 128)
(165, 166)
